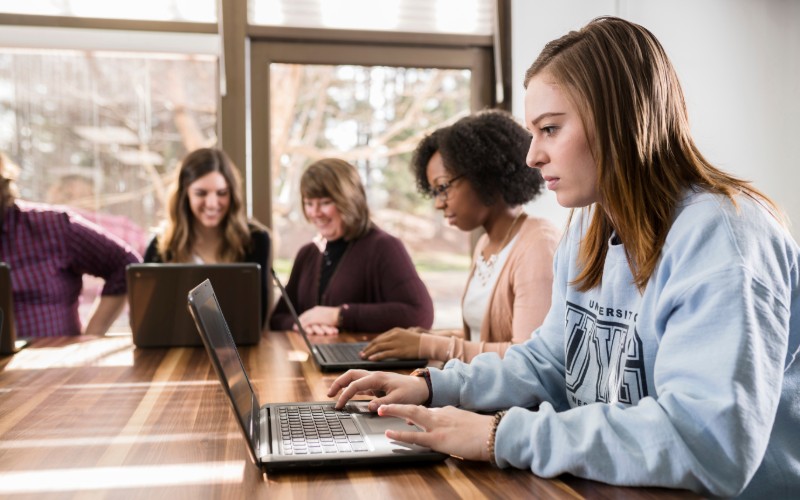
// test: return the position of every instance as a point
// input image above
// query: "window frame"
(243, 85)
(263, 53)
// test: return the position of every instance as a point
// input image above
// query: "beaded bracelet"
(426, 374)
(492, 433)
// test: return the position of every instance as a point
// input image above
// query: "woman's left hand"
(448, 430)
(320, 320)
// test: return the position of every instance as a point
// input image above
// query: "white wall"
(738, 61)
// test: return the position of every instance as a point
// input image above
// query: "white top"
(480, 288)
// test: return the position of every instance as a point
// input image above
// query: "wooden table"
(98, 418)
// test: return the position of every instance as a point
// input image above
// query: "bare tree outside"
(372, 117)
(102, 133)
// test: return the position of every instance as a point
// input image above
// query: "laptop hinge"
(263, 439)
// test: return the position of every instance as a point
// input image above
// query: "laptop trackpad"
(375, 427)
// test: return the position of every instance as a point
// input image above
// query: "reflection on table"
(98, 417)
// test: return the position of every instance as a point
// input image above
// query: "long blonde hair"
(177, 239)
(632, 106)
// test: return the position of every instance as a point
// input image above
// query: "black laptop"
(296, 435)
(157, 297)
(341, 356)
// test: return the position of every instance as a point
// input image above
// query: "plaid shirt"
(49, 250)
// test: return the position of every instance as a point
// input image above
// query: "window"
(373, 117)
(369, 106)
(469, 17)
(102, 131)
(153, 10)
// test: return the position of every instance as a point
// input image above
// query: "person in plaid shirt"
(49, 249)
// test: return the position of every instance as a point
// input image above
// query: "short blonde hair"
(338, 180)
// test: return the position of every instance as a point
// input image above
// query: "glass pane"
(470, 17)
(152, 10)
(372, 117)
(101, 132)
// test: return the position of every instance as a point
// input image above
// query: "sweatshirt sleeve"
(722, 351)
(715, 374)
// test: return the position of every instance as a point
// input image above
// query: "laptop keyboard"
(314, 429)
(345, 352)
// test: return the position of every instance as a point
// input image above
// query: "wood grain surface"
(99, 418)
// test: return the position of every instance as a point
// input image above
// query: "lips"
(551, 182)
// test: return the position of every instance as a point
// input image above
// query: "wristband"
(426, 374)
(492, 433)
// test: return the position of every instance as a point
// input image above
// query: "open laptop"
(9, 344)
(342, 356)
(293, 435)
(157, 294)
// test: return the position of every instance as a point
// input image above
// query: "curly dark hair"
(488, 149)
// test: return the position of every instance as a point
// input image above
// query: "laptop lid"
(157, 292)
(259, 424)
(325, 364)
(9, 344)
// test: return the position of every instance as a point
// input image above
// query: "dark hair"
(488, 149)
(338, 180)
(177, 242)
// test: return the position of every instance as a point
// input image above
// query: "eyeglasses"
(440, 191)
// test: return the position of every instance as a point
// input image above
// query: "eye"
(549, 130)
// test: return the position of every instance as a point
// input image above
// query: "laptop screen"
(292, 310)
(227, 363)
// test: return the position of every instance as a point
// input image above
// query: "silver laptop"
(9, 343)
(157, 293)
(341, 356)
(292, 435)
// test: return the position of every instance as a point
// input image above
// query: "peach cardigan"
(518, 304)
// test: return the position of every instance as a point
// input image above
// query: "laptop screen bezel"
(201, 296)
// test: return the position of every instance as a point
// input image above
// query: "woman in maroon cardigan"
(353, 277)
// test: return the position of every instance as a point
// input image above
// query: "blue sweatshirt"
(693, 383)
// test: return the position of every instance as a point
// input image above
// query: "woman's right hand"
(399, 343)
(388, 387)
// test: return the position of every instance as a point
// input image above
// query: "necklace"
(484, 268)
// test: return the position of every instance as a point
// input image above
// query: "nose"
(212, 199)
(439, 203)
(536, 156)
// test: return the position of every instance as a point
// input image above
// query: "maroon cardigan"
(375, 279)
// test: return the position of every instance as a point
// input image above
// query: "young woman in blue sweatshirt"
(669, 355)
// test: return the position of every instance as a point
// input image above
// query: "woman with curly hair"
(476, 173)
(207, 223)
